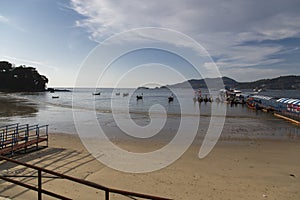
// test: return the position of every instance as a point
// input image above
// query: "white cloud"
(22, 61)
(11, 23)
(3, 19)
(262, 19)
(220, 26)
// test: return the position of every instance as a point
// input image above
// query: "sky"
(246, 40)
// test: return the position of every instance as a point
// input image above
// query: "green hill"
(281, 83)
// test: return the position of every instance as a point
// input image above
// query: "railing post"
(39, 184)
(2, 139)
(37, 136)
(47, 134)
(17, 132)
(37, 130)
(27, 132)
(6, 129)
(26, 136)
(107, 194)
(13, 142)
(5, 134)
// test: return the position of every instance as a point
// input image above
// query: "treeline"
(20, 79)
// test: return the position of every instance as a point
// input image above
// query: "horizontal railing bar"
(56, 173)
(126, 193)
(23, 129)
(15, 124)
(10, 129)
(130, 197)
(19, 183)
(29, 176)
(19, 126)
(55, 195)
(42, 126)
(31, 127)
(85, 182)
(34, 188)
(22, 134)
(23, 125)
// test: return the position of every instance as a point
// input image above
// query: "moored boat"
(139, 97)
(170, 98)
(289, 108)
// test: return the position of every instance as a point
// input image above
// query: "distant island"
(280, 83)
(20, 79)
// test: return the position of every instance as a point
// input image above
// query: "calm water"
(241, 122)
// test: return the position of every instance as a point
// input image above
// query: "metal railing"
(39, 189)
(14, 136)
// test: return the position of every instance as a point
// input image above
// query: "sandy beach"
(248, 169)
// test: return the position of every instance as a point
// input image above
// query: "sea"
(113, 112)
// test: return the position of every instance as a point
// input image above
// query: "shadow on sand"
(61, 160)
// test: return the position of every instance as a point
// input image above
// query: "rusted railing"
(41, 191)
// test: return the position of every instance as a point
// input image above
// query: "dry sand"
(243, 170)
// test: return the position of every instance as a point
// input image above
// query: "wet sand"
(245, 169)
(10, 106)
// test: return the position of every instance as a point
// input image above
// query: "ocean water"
(111, 110)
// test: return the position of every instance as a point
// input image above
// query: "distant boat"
(139, 97)
(96, 93)
(170, 98)
(55, 97)
(125, 94)
(234, 91)
(258, 90)
(117, 93)
(52, 90)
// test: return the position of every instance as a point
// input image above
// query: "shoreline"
(249, 170)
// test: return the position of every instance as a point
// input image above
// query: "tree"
(22, 78)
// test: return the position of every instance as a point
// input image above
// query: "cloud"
(31, 62)
(223, 27)
(11, 23)
(259, 20)
(3, 19)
